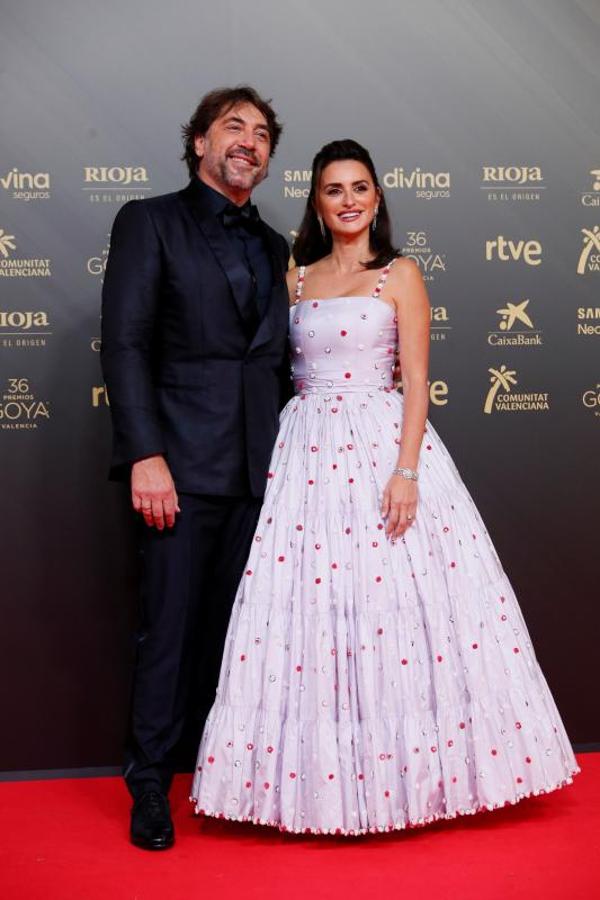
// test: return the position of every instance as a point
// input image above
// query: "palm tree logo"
(591, 241)
(7, 242)
(514, 312)
(501, 378)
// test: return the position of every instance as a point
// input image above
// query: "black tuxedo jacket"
(188, 373)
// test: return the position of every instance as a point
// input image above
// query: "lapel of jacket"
(235, 271)
(264, 332)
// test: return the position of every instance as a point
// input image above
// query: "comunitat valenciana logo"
(20, 409)
(589, 258)
(424, 185)
(501, 183)
(509, 250)
(515, 327)
(591, 196)
(26, 185)
(12, 266)
(501, 396)
(20, 328)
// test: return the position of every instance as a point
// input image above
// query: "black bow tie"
(245, 216)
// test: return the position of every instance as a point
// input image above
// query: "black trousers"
(189, 579)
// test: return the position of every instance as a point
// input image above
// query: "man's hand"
(153, 492)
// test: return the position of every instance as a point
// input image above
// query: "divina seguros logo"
(26, 185)
(425, 185)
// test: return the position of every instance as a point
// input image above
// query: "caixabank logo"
(21, 329)
(430, 260)
(503, 398)
(115, 184)
(589, 258)
(512, 183)
(502, 249)
(20, 407)
(14, 266)
(26, 186)
(422, 184)
(515, 326)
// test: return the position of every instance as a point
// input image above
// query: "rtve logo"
(507, 250)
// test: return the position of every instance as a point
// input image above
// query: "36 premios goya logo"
(115, 184)
(14, 266)
(26, 185)
(431, 262)
(20, 408)
(502, 396)
(24, 328)
(512, 183)
(515, 327)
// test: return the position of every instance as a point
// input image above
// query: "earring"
(322, 227)
(374, 222)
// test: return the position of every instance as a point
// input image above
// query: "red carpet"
(67, 840)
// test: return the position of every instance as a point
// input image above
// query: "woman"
(378, 672)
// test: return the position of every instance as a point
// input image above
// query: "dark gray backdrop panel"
(430, 88)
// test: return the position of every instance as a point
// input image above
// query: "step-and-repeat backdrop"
(482, 120)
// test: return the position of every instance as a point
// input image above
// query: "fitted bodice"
(342, 344)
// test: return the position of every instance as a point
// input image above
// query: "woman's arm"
(412, 309)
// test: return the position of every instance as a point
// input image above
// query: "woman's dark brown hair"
(217, 103)
(310, 245)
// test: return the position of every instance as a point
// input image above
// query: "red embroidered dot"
(199, 768)
(317, 546)
(360, 776)
(292, 774)
(269, 749)
(404, 662)
(475, 646)
(314, 448)
(428, 447)
(446, 529)
(451, 743)
(334, 565)
(380, 631)
(350, 446)
(351, 481)
(299, 528)
(503, 618)
(281, 559)
(211, 760)
(343, 332)
(317, 581)
(518, 725)
(243, 657)
(266, 785)
(433, 749)
(380, 527)
(378, 579)
(439, 658)
(494, 752)
(334, 466)
(298, 668)
(461, 724)
(516, 650)
(310, 481)
(348, 530)
(248, 571)
(269, 474)
(249, 746)
(454, 779)
(347, 374)
(452, 565)
(502, 599)
(519, 779)
(386, 793)
(527, 759)
(315, 304)
(333, 652)
(331, 776)
(375, 544)
(248, 784)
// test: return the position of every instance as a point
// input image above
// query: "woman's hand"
(399, 505)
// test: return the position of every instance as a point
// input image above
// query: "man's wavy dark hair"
(310, 244)
(217, 103)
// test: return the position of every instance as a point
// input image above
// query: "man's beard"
(244, 180)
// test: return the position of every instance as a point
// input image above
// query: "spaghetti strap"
(299, 283)
(383, 278)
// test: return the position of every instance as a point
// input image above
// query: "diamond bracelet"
(409, 474)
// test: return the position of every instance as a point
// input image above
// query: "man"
(194, 326)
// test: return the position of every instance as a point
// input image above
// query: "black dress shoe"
(151, 823)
